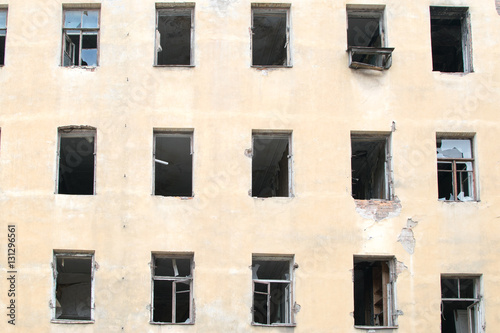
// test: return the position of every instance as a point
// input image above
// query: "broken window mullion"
(174, 301)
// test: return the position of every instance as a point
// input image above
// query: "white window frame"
(76, 132)
(174, 7)
(289, 297)
(174, 280)
(477, 306)
(73, 254)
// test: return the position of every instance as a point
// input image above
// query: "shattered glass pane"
(90, 19)
(455, 148)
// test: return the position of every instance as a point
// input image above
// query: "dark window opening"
(174, 36)
(76, 161)
(455, 170)
(172, 289)
(371, 167)
(450, 39)
(80, 38)
(272, 291)
(3, 34)
(271, 169)
(366, 39)
(460, 305)
(270, 37)
(173, 164)
(373, 293)
(73, 287)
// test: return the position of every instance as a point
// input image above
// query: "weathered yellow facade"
(222, 98)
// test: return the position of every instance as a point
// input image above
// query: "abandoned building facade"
(250, 166)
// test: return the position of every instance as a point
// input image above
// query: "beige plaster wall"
(320, 99)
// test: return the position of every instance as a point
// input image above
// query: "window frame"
(455, 12)
(159, 132)
(93, 265)
(454, 171)
(383, 53)
(278, 134)
(290, 298)
(75, 132)
(477, 299)
(269, 8)
(175, 280)
(393, 313)
(175, 7)
(388, 163)
(82, 31)
(3, 32)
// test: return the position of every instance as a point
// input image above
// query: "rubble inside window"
(366, 38)
(174, 35)
(271, 165)
(173, 163)
(272, 291)
(3, 34)
(451, 39)
(74, 275)
(270, 35)
(76, 173)
(456, 181)
(371, 166)
(172, 289)
(81, 37)
(374, 292)
(461, 306)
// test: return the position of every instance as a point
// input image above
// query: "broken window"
(271, 165)
(366, 38)
(76, 160)
(3, 34)
(81, 37)
(173, 163)
(455, 163)
(371, 166)
(174, 34)
(270, 34)
(74, 280)
(172, 289)
(374, 292)
(451, 39)
(461, 308)
(272, 290)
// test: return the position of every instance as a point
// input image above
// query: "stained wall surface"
(222, 98)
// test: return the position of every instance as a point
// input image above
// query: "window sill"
(262, 67)
(72, 321)
(375, 327)
(167, 66)
(82, 67)
(160, 323)
(274, 325)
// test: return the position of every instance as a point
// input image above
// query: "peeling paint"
(406, 237)
(378, 209)
(400, 267)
